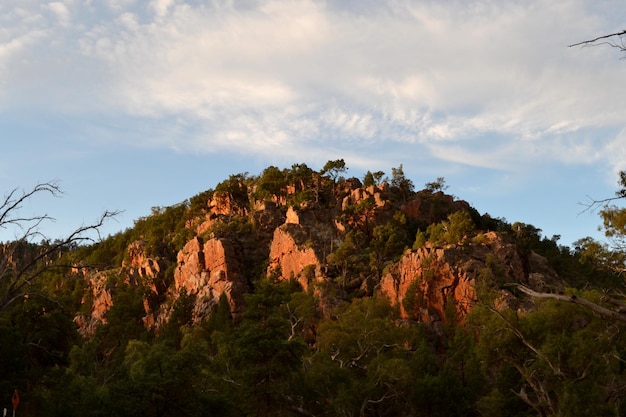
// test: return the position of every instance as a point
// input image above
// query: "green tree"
(272, 181)
(236, 186)
(164, 381)
(350, 258)
(388, 242)
(334, 169)
(260, 360)
(368, 179)
(436, 186)
(401, 184)
(455, 230)
(559, 359)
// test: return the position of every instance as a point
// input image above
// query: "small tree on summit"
(437, 185)
(401, 184)
(334, 169)
(373, 179)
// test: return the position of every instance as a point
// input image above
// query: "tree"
(401, 184)
(610, 255)
(368, 179)
(260, 359)
(388, 242)
(350, 257)
(21, 261)
(557, 359)
(373, 179)
(334, 168)
(438, 185)
(456, 230)
(272, 182)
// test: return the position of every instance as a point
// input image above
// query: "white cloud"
(161, 7)
(60, 10)
(268, 76)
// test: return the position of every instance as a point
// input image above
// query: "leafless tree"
(22, 262)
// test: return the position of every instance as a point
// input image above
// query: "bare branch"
(596, 308)
(592, 204)
(525, 342)
(591, 41)
(13, 201)
(17, 276)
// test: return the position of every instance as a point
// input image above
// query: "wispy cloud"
(283, 77)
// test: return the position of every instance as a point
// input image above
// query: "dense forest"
(298, 292)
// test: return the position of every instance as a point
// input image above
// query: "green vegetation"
(339, 349)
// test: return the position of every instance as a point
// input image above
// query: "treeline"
(283, 358)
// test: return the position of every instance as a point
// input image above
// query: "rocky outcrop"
(138, 270)
(377, 195)
(225, 204)
(288, 259)
(207, 271)
(98, 300)
(440, 283)
(139, 264)
(430, 207)
(145, 271)
(428, 283)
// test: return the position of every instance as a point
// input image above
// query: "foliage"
(236, 186)
(558, 360)
(456, 230)
(259, 358)
(272, 181)
(350, 258)
(439, 185)
(373, 179)
(400, 184)
(388, 243)
(334, 169)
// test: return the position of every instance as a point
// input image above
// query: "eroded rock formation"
(290, 260)
(207, 271)
(432, 284)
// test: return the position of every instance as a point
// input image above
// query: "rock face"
(207, 271)
(225, 204)
(376, 194)
(432, 208)
(99, 296)
(428, 282)
(433, 284)
(289, 260)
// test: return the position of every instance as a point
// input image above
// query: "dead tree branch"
(14, 200)
(22, 262)
(596, 308)
(593, 41)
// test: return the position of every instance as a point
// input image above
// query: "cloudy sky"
(132, 104)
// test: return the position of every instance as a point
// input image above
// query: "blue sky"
(132, 104)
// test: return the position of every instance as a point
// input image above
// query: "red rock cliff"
(207, 271)
(291, 260)
(431, 283)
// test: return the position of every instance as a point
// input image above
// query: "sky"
(134, 104)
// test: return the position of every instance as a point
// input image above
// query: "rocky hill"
(338, 239)
(302, 293)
